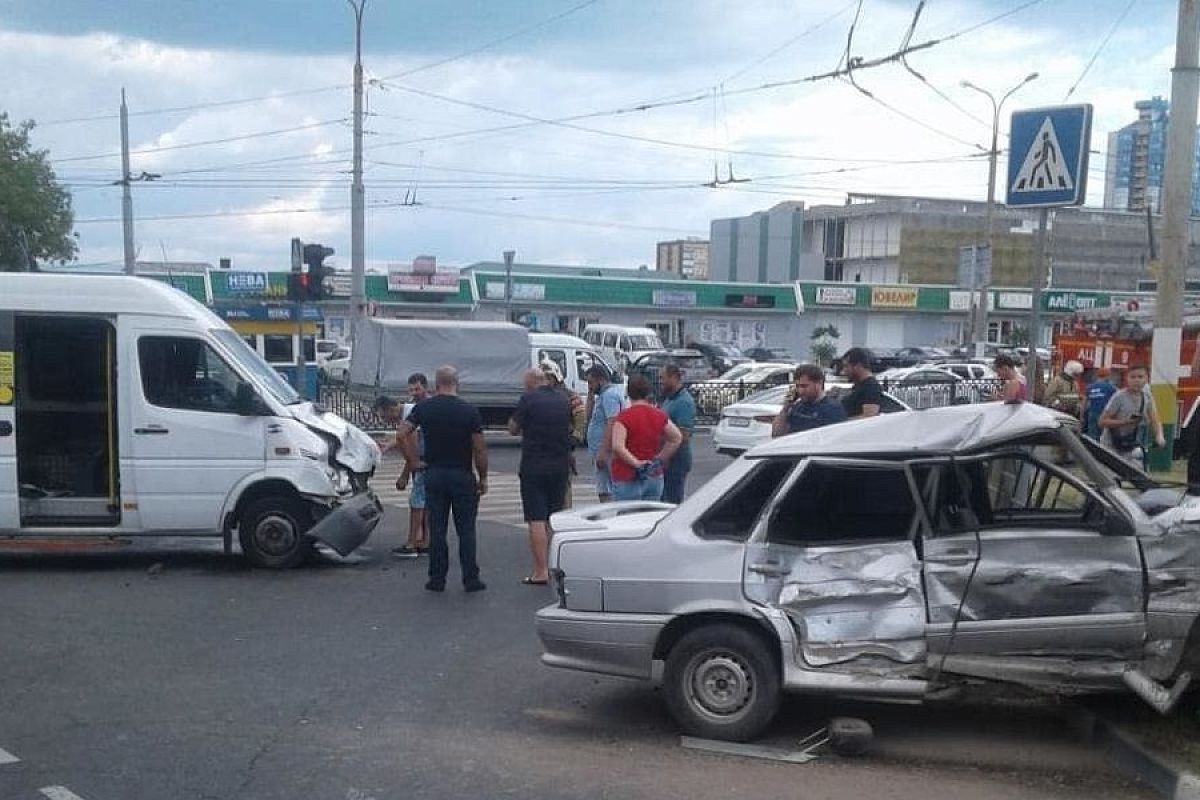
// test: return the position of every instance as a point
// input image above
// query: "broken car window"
(833, 503)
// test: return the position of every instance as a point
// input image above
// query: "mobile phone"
(1135, 416)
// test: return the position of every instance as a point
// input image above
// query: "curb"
(1132, 757)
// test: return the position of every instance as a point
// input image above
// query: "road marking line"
(7, 757)
(59, 793)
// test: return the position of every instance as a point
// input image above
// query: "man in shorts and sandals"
(418, 531)
(543, 421)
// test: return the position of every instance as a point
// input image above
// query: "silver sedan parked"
(891, 557)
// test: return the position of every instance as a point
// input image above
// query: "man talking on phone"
(807, 406)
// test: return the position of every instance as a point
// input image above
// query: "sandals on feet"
(528, 580)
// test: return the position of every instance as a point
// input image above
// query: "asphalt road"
(171, 671)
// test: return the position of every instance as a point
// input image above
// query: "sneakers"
(405, 552)
(474, 586)
(435, 586)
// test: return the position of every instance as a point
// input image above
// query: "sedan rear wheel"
(721, 682)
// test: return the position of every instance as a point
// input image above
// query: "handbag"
(1124, 441)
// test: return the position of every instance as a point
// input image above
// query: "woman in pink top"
(643, 440)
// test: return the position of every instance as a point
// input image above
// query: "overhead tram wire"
(319, 89)
(493, 43)
(199, 106)
(205, 143)
(1104, 43)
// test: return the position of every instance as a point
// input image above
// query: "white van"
(620, 345)
(128, 408)
(573, 356)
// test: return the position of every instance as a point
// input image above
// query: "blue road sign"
(1048, 156)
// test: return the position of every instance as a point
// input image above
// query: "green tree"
(35, 212)
(823, 348)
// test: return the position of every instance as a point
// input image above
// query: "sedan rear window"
(734, 515)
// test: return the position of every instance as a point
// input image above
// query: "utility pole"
(126, 191)
(509, 255)
(358, 193)
(1177, 208)
(979, 319)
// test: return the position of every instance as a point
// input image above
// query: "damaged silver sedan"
(904, 556)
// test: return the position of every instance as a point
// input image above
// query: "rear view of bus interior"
(66, 421)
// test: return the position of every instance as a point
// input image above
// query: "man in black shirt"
(453, 431)
(866, 398)
(543, 420)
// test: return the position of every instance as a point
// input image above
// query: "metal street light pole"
(358, 193)
(980, 330)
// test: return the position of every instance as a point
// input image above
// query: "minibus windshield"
(254, 364)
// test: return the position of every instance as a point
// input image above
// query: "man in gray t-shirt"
(1127, 411)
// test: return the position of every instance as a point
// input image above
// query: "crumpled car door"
(855, 598)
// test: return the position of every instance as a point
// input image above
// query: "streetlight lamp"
(358, 193)
(980, 331)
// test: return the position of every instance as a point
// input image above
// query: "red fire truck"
(1119, 337)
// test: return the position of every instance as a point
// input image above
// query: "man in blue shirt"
(604, 402)
(680, 408)
(1099, 392)
(807, 406)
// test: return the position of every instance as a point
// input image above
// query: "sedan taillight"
(767, 418)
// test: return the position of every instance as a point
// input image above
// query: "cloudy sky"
(497, 124)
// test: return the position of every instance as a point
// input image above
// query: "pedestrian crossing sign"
(1048, 156)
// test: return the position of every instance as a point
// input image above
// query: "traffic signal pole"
(1177, 207)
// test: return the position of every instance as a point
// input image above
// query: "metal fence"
(936, 395)
(357, 412)
(712, 397)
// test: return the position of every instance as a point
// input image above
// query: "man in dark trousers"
(865, 399)
(543, 421)
(679, 406)
(453, 431)
(807, 406)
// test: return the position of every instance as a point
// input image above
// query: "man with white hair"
(453, 431)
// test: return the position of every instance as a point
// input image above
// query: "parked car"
(721, 357)
(620, 345)
(324, 350)
(714, 395)
(967, 370)
(748, 423)
(337, 366)
(692, 363)
(900, 556)
(929, 387)
(770, 354)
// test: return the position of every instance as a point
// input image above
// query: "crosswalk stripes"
(502, 503)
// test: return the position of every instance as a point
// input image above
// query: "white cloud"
(51, 77)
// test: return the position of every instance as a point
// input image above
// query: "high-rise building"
(686, 258)
(1137, 155)
(1137, 159)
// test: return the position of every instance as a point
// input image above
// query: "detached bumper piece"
(350, 524)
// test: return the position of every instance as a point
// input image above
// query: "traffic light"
(298, 287)
(314, 256)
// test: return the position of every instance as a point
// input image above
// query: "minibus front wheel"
(273, 531)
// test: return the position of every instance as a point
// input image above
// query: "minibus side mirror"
(247, 402)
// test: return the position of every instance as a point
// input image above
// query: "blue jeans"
(675, 478)
(644, 489)
(451, 489)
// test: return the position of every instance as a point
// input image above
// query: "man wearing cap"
(543, 421)
(554, 378)
(1063, 394)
